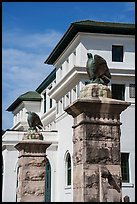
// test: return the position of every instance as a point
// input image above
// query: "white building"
(115, 42)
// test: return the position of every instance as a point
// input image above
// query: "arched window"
(68, 169)
(2, 171)
(17, 184)
(48, 182)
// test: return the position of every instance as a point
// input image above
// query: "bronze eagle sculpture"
(97, 69)
(34, 121)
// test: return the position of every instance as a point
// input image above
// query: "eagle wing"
(101, 67)
(90, 66)
(36, 120)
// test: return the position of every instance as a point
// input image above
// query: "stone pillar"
(96, 145)
(31, 167)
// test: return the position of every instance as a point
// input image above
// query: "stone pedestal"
(96, 145)
(31, 168)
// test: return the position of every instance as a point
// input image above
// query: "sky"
(31, 30)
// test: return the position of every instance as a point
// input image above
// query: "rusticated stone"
(31, 170)
(96, 145)
(92, 181)
(98, 132)
(35, 162)
(102, 152)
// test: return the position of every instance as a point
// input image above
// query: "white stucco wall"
(102, 45)
(65, 133)
(51, 154)
(10, 157)
(128, 146)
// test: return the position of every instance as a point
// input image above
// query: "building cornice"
(68, 82)
(89, 27)
(77, 73)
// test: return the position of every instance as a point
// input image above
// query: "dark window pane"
(68, 170)
(69, 177)
(50, 103)
(117, 53)
(118, 91)
(44, 102)
(57, 107)
(125, 167)
(48, 182)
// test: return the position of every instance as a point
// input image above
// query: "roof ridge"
(97, 21)
(83, 21)
(28, 92)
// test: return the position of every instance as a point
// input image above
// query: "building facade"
(115, 42)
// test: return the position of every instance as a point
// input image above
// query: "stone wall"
(96, 145)
(31, 169)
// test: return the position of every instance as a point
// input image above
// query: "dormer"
(29, 101)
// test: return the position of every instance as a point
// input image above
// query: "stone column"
(31, 167)
(96, 145)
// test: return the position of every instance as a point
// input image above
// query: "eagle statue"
(34, 121)
(97, 69)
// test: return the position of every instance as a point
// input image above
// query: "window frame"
(48, 181)
(123, 92)
(125, 167)
(115, 56)
(45, 102)
(68, 170)
(51, 102)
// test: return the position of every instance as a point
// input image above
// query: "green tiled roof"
(89, 27)
(28, 96)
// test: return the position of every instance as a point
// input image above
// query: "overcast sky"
(30, 31)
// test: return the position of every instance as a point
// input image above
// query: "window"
(44, 102)
(50, 87)
(61, 105)
(118, 91)
(125, 167)
(68, 170)
(78, 90)
(2, 167)
(67, 65)
(74, 94)
(17, 184)
(50, 102)
(57, 106)
(70, 96)
(67, 99)
(117, 53)
(60, 72)
(48, 181)
(74, 58)
(132, 90)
